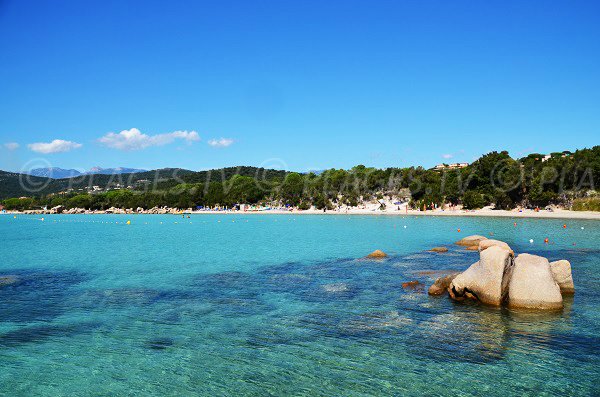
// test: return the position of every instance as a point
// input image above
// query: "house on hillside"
(453, 166)
(556, 155)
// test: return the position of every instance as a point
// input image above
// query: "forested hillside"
(495, 178)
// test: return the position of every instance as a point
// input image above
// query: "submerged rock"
(439, 273)
(441, 284)
(336, 287)
(561, 271)
(485, 244)
(374, 322)
(486, 280)
(471, 240)
(8, 280)
(413, 285)
(532, 285)
(160, 343)
(439, 249)
(377, 254)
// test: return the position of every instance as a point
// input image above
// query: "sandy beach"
(557, 214)
(369, 209)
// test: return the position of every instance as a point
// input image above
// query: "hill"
(17, 185)
(61, 173)
(54, 172)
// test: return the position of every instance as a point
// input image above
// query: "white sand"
(559, 213)
(392, 210)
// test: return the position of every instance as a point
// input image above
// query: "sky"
(297, 85)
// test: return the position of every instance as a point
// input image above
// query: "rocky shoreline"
(111, 210)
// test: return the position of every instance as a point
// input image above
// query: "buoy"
(546, 240)
(129, 222)
(405, 226)
(581, 227)
(515, 224)
(564, 226)
(531, 241)
(42, 219)
(458, 230)
(15, 217)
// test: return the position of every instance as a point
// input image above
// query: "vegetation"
(494, 179)
(587, 204)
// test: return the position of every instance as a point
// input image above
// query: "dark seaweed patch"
(42, 333)
(161, 343)
(119, 297)
(36, 295)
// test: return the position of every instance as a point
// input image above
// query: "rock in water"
(471, 240)
(336, 287)
(472, 248)
(8, 280)
(377, 254)
(413, 285)
(441, 284)
(487, 243)
(439, 249)
(532, 285)
(561, 271)
(486, 280)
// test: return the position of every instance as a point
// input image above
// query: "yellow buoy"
(129, 222)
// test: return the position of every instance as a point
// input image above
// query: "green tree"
(473, 200)
(292, 189)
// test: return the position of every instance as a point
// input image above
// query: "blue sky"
(297, 85)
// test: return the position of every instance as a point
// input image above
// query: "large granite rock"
(487, 243)
(561, 271)
(486, 280)
(441, 284)
(471, 240)
(532, 284)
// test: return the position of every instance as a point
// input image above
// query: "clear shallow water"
(281, 305)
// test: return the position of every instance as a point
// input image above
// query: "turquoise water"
(281, 305)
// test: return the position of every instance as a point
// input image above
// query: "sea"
(283, 305)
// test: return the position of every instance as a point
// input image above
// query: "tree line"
(494, 179)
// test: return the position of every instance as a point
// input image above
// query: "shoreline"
(557, 214)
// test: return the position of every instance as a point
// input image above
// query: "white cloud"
(447, 156)
(11, 145)
(222, 142)
(56, 146)
(133, 139)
